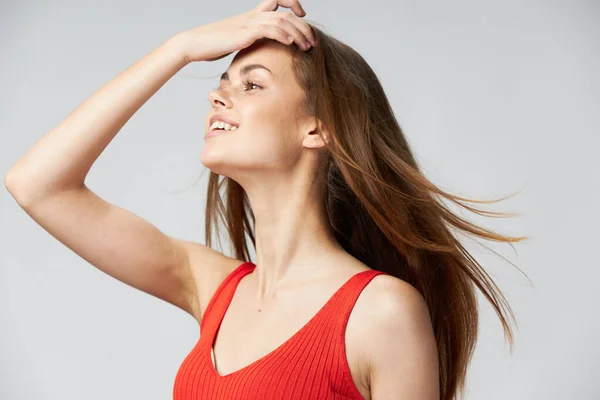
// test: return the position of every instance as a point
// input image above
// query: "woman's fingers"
(288, 24)
(291, 28)
(293, 5)
(294, 26)
(275, 33)
(216, 40)
(303, 28)
(272, 5)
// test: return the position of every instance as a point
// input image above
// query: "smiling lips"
(219, 127)
(220, 123)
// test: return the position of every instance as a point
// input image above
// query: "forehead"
(269, 53)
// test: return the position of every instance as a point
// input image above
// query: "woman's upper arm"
(129, 248)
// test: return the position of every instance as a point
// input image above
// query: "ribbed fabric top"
(311, 364)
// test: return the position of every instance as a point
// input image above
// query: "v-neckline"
(279, 348)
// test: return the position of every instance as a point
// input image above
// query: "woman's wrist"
(177, 45)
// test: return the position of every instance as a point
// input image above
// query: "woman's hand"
(219, 39)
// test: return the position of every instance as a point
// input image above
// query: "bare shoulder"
(390, 304)
(395, 297)
(399, 349)
(208, 268)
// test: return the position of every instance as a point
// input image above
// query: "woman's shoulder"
(386, 297)
(397, 317)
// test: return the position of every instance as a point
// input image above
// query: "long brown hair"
(383, 210)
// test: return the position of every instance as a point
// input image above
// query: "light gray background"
(494, 97)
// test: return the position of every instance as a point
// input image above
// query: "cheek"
(272, 140)
(273, 148)
(267, 139)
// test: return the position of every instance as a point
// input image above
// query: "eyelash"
(247, 83)
(250, 83)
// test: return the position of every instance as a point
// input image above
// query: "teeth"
(222, 125)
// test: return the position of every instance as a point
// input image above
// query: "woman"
(360, 290)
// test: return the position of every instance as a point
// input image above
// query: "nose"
(218, 98)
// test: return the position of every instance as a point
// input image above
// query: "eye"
(248, 84)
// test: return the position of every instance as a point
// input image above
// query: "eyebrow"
(244, 70)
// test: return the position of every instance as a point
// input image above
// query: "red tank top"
(311, 365)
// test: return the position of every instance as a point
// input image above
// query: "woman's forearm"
(62, 158)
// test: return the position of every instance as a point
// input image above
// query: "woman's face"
(261, 95)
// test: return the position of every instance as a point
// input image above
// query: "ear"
(312, 139)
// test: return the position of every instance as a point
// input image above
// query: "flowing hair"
(381, 207)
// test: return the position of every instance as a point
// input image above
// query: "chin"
(215, 164)
(237, 160)
(219, 162)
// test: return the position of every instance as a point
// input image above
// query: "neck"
(294, 239)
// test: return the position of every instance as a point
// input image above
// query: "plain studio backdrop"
(494, 97)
